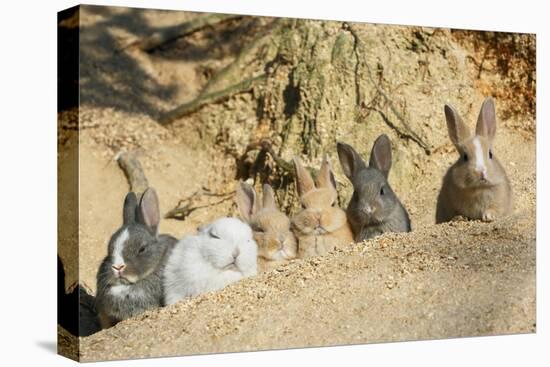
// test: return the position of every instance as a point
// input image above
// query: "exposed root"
(170, 34)
(230, 74)
(264, 146)
(401, 133)
(233, 71)
(214, 97)
(133, 171)
(189, 204)
(405, 130)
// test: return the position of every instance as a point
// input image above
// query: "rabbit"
(270, 227)
(321, 226)
(220, 253)
(129, 280)
(374, 208)
(476, 185)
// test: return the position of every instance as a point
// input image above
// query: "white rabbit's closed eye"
(212, 234)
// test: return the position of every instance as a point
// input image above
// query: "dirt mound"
(453, 280)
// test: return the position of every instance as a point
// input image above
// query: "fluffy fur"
(374, 207)
(476, 185)
(270, 226)
(321, 226)
(129, 280)
(220, 253)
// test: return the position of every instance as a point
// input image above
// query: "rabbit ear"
(325, 178)
(129, 209)
(458, 131)
(149, 213)
(304, 181)
(350, 160)
(246, 200)
(380, 156)
(269, 197)
(487, 121)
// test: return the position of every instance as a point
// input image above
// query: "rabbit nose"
(235, 253)
(119, 268)
(482, 172)
(368, 209)
(319, 219)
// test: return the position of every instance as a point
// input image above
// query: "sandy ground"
(440, 281)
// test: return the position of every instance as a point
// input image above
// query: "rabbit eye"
(214, 236)
(465, 157)
(382, 191)
(142, 249)
(490, 154)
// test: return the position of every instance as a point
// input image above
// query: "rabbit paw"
(488, 216)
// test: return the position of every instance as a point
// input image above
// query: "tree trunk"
(302, 85)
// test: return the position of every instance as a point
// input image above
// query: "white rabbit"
(220, 253)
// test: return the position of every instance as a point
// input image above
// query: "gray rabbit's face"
(373, 199)
(135, 250)
(134, 253)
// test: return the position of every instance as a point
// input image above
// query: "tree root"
(214, 97)
(405, 131)
(400, 133)
(187, 205)
(237, 65)
(170, 34)
(264, 146)
(207, 96)
(133, 171)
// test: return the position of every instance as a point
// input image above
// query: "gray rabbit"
(129, 280)
(374, 208)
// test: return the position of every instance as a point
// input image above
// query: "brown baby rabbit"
(321, 226)
(270, 226)
(476, 185)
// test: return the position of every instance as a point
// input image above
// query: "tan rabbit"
(321, 226)
(270, 226)
(476, 185)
